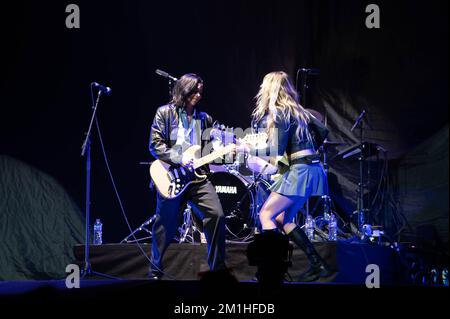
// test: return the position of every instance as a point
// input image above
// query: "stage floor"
(186, 261)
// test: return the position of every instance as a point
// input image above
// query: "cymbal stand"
(257, 204)
(326, 198)
(304, 86)
(327, 208)
(258, 201)
(321, 221)
(360, 209)
(188, 229)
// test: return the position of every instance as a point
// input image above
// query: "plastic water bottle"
(434, 276)
(203, 238)
(309, 227)
(97, 240)
(445, 277)
(326, 207)
(332, 228)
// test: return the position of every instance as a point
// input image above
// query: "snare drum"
(241, 201)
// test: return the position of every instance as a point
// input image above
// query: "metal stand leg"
(188, 229)
(143, 227)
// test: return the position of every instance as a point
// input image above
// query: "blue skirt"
(302, 180)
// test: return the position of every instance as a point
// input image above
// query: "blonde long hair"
(278, 98)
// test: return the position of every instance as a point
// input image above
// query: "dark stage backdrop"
(398, 74)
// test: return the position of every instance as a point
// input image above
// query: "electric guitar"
(172, 180)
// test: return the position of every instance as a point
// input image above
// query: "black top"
(287, 139)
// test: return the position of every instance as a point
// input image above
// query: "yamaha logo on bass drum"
(226, 189)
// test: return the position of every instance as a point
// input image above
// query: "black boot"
(319, 268)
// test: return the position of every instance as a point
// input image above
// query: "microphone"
(358, 120)
(105, 89)
(311, 71)
(166, 75)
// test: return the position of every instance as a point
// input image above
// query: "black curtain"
(398, 74)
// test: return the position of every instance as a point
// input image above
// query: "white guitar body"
(171, 181)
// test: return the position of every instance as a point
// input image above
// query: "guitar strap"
(203, 125)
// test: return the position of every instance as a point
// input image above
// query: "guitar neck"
(213, 156)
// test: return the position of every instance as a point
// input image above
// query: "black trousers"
(205, 204)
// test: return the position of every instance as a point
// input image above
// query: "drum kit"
(242, 187)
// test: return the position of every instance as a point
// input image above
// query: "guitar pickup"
(175, 171)
(171, 177)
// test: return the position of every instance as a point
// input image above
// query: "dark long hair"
(184, 87)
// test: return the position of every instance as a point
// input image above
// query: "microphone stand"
(304, 86)
(361, 159)
(86, 152)
(360, 210)
(170, 88)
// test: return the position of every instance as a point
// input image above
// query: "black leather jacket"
(163, 133)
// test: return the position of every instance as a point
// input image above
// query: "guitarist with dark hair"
(176, 127)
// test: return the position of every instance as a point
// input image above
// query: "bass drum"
(241, 201)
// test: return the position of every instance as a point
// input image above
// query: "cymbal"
(259, 165)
